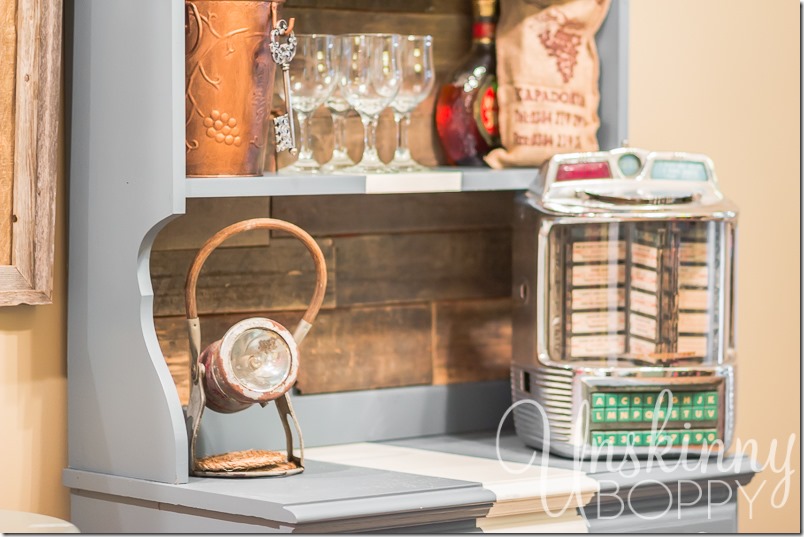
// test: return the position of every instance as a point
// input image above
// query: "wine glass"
(312, 79)
(418, 79)
(369, 79)
(338, 109)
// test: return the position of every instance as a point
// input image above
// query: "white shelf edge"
(437, 180)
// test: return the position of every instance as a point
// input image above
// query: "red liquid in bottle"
(466, 109)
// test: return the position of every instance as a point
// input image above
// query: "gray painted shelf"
(437, 180)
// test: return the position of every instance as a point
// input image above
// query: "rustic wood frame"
(29, 277)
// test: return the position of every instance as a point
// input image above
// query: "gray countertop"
(351, 497)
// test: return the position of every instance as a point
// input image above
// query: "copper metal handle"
(259, 223)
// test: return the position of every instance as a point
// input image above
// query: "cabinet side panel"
(612, 46)
(126, 178)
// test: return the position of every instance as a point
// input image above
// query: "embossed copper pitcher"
(229, 82)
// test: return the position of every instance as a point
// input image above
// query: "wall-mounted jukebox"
(624, 296)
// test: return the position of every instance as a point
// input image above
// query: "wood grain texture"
(367, 348)
(36, 146)
(206, 216)
(396, 213)
(347, 349)
(451, 31)
(277, 277)
(25, 135)
(8, 59)
(397, 7)
(382, 269)
(472, 341)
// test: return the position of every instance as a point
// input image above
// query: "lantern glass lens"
(260, 359)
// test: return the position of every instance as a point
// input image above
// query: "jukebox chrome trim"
(562, 388)
(563, 391)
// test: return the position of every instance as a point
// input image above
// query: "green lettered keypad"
(637, 410)
(617, 407)
(693, 437)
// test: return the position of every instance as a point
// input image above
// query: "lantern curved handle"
(191, 305)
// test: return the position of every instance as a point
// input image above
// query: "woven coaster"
(239, 461)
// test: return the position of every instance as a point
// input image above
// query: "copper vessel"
(229, 81)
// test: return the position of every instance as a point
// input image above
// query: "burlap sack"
(547, 75)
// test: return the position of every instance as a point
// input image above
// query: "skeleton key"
(283, 54)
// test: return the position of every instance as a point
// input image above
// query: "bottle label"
(483, 30)
(486, 109)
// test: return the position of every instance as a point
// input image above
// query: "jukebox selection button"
(698, 399)
(611, 399)
(710, 413)
(698, 414)
(711, 398)
(624, 400)
(636, 400)
(675, 414)
(624, 414)
(611, 415)
(598, 400)
(598, 416)
(650, 399)
(686, 398)
(636, 414)
(686, 414)
(678, 438)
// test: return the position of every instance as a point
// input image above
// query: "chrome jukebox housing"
(623, 318)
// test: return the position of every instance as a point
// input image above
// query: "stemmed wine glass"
(339, 109)
(418, 79)
(312, 79)
(369, 79)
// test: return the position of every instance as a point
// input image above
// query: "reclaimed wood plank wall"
(419, 284)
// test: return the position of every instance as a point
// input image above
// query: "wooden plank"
(25, 136)
(472, 341)
(8, 59)
(277, 277)
(452, 32)
(394, 6)
(359, 214)
(368, 348)
(50, 133)
(347, 349)
(381, 269)
(206, 216)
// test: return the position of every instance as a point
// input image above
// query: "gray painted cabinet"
(126, 440)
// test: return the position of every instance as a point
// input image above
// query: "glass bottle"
(466, 109)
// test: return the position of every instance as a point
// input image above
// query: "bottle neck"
(483, 31)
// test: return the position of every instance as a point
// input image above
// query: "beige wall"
(721, 77)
